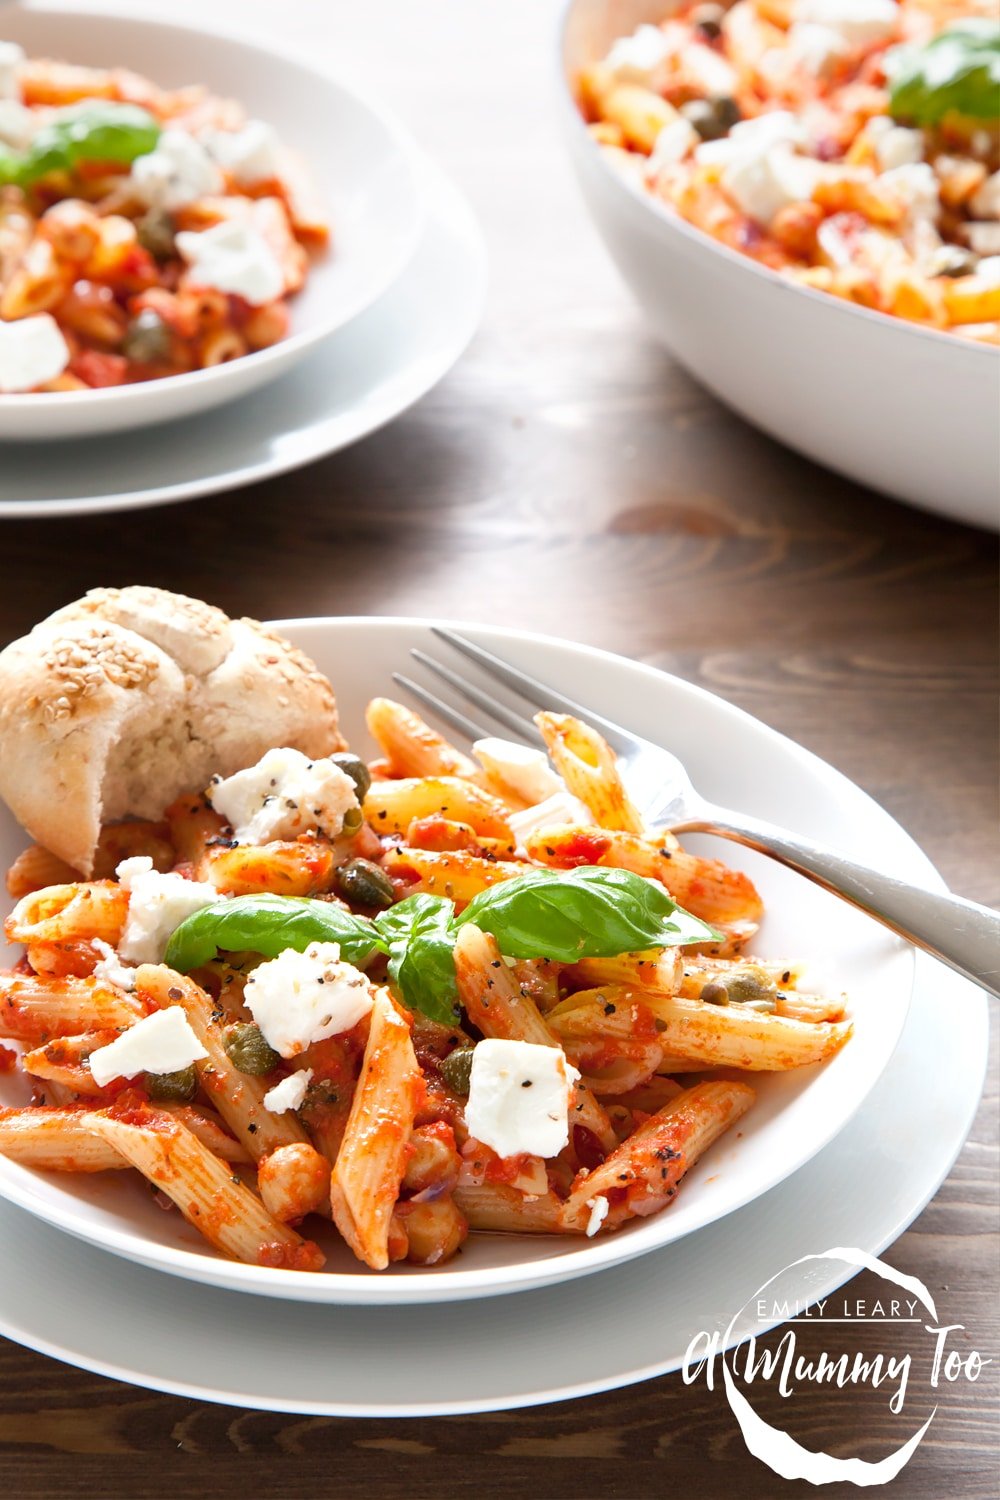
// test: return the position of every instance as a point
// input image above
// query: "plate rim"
(349, 1288)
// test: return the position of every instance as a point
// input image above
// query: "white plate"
(361, 163)
(735, 760)
(74, 1304)
(363, 377)
(902, 408)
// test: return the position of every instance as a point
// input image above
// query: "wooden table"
(569, 477)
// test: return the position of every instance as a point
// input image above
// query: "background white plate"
(360, 162)
(735, 760)
(626, 1325)
(360, 379)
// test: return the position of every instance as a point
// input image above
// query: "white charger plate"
(74, 1304)
(734, 760)
(359, 380)
(361, 166)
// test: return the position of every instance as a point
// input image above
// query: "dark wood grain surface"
(568, 477)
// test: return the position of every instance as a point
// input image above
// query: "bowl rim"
(660, 213)
(295, 344)
(360, 1286)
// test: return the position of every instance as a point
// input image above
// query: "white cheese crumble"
(283, 795)
(915, 186)
(816, 49)
(985, 201)
(160, 1043)
(984, 239)
(519, 1097)
(635, 58)
(250, 154)
(709, 70)
(290, 1093)
(894, 145)
(988, 270)
(157, 904)
(176, 172)
(562, 807)
(301, 998)
(522, 769)
(598, 1213)
(11, 58)
(234, 258)
(861, 23)
(109, 968)
(673, 143)
(17, 124)
(750, 138)
(32, 352)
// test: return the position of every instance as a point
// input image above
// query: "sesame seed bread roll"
(121, 701)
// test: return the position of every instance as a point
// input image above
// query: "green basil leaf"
(96, 130)
(420, 935)
(269, 924)
(589, 912)
(956, 72)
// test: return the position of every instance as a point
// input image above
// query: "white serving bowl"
(365, 172)
(736, 761)
(904, 409)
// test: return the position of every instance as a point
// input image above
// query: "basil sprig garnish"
(956, 72)
(96, 130)
(565, 915)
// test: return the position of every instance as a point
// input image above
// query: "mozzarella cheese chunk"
(32, 352)
(519, 1097)
(916, 188)
(11, 58)
(251, 154)
(709, 70)
(985, 201)
(988, 270)
(175, 172)
(760, 171)
(290, 1093)
(109, 968)
(520, 768)
(894, 145)
(233, 258)
(17, 124)
(301, 998)
(283, 795)
(861, 23)
(598, 1213)
(673, 143)
(562, 807)
(157, 904)
(816, 49)
(160, 1043)
(635, 58)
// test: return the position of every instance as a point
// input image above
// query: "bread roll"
(121, 701)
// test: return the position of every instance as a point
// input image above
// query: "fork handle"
(961, 933)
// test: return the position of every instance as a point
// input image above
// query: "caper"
(365, 883)
(715, 994)
(708, 20)
(247, 1050)
(952, 260)
(147, 338)
(155, 232)
(173, 1088)
(749, 986)
(711, 118)
(456, 1069)
(354, 767)
(353, 819)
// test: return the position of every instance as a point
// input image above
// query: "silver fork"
(961, 933)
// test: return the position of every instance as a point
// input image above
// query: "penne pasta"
(35, 1008)
(411, 747)
(370, 1164)
(589, 768)
(390, 806)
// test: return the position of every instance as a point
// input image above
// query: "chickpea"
(435, 1231)
(294, 1181)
